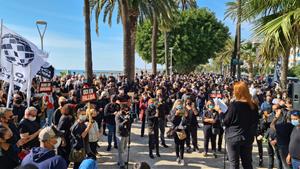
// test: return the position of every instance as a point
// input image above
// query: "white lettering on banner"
(23, 55)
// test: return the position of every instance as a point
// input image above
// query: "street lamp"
(171, 64)
(41, 23)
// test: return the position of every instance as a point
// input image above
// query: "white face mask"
(32, 118)
(82, 117)
(58, 142)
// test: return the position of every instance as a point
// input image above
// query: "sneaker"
(157, 154)
(108, 148)
(116, 146)
(151, 156)
(189, 150)
(215, 155)
(204, 154)
(182, 162)
(178, 160)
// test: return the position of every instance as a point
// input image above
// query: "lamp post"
(41, 33)
(171, 64)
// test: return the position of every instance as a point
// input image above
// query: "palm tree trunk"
(284, 68)
(250, 69)
(127, 57)
(166, 53)
(88, 46)
(239, 39)
(154, 44)
(133, 13)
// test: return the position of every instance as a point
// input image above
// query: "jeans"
(111, 134)
(284, 151)
(191, 131)
(49, 116)
(295, 163)
(122, 144)
(237, 150)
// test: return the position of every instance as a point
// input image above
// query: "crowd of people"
(57, 129)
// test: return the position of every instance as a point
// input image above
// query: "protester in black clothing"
(283, 128)
(65, 123)
(143, 106)
(109, 116)
(57, 113)
(162, 111)
(211, 127)
(179, 124)
(100, 106)
(152, 115)
(79, 132)
(192, 125)
(241, 122)
(29, 129)
(18, 108)
(8, 156)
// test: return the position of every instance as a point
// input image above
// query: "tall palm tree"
(130, 11)
(88, 46)
(278, 22)
(186, 4)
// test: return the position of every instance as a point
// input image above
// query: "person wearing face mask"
(65, 122)
(79, 133)
(122, 132)
(8, 156)
(152, 117)
(211, 127)
(293, 157)
(18, 108)
(44, 156)
(192, 125)
(29, 128)
(94, 133)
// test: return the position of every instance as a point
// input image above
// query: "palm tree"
(234, 11)
(130, 11)
(186, 4)
(278, 22)
(88, 47)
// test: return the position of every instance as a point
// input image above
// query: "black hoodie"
(44, 158)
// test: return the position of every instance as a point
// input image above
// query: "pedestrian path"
(139, 152)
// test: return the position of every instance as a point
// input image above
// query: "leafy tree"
(196, 36)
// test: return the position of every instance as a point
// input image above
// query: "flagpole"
(1, 31)
(28, 95)
(11, 85)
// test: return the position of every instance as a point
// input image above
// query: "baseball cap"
(295, 113)
(49, 132)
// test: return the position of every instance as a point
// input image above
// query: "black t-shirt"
(294, 147)
(211, 114)
(77, 129)
(65, 123)
(30, 127)
(109, 111)
(9, 158)
(19, 111)
(283, 133)
(123, 98)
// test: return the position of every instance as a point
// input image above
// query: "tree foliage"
(196, 36)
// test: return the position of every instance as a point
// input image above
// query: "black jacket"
(122, 124)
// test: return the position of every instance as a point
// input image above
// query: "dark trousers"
(179, 147)
(93, 146)
(111, 134)
(191, 131)
(271, 152)
(162, 126)
(237, 150)
(220, 138)
(153, 140)
(209, 136)
(143, 126)
(260, 148)
(284, 151)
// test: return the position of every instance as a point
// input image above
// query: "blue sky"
(64, 38)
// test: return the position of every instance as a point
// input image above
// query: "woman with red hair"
(241, 122)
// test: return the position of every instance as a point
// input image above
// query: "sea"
(59, 72)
